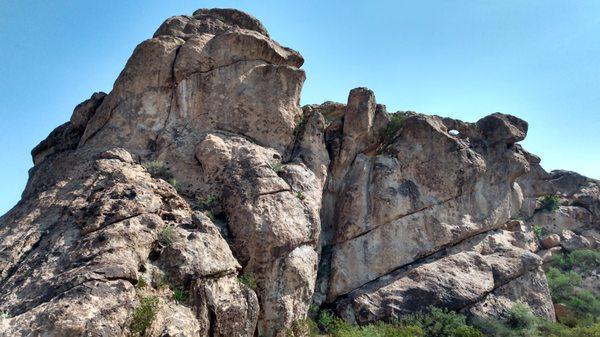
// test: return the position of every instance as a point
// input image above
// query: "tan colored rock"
(73, 252)
(515, 226)
(452, 282)
(571, 241)
(427, 180)
(551, 241)
(272, 211)
(530, 289)
(548, 255)
(564, 218)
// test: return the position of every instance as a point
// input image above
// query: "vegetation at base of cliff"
(550, 202)
(520, 322)
(248, 279)
(435, 322)
(144, 315)
(390, 131)
(583, 260)
(565, 279)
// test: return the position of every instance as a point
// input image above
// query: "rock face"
(270, 207)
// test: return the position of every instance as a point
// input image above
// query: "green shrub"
(326, 321)
(303, 328)
(206, 203)
(562, 284)
(277, 166)
(4, 315)
(160, 280)
(141, 283)
(167, 236)
(157, 169)
(584, 260)
(539, 231)
(248, 279)
(437, 322)
(550, 202)
(144, 315)
(300, 122)
(179, 295)
(300, 195)
(173, 182)
(390, 131)
(520, 317)
(583, 305)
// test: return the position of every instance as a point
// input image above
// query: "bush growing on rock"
(167, 236)
(141, 283)
(550, 202)
(207, 202)
(157, 169)
(390, 131)
(144, 315)
(179, 295)
(277, 166)
(248, 279)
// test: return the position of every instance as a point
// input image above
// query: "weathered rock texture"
(346, 206)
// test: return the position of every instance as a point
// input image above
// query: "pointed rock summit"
(198, 198)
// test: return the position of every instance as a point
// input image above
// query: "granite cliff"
(200, 189)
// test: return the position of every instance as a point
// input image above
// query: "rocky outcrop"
(564, 205)
(216, 100)
(201, 194)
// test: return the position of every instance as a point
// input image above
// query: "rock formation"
(199, 189)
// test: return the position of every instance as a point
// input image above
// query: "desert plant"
(300, 195)
(248, 279)
(390, 131)
(326, 321)
(160, 280)
(277, 166)
(437, 322)
(144, 315)
(141, 283)
(207, 202)
(157, 169)
(167, 236)
(4, 315)
(583, 260)
(550, 202)
(539, 231)
(173, 182)
(300, 122)
(179, 295)
(303, 328)
(520, 317)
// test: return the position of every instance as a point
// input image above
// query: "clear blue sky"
(539, 60)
